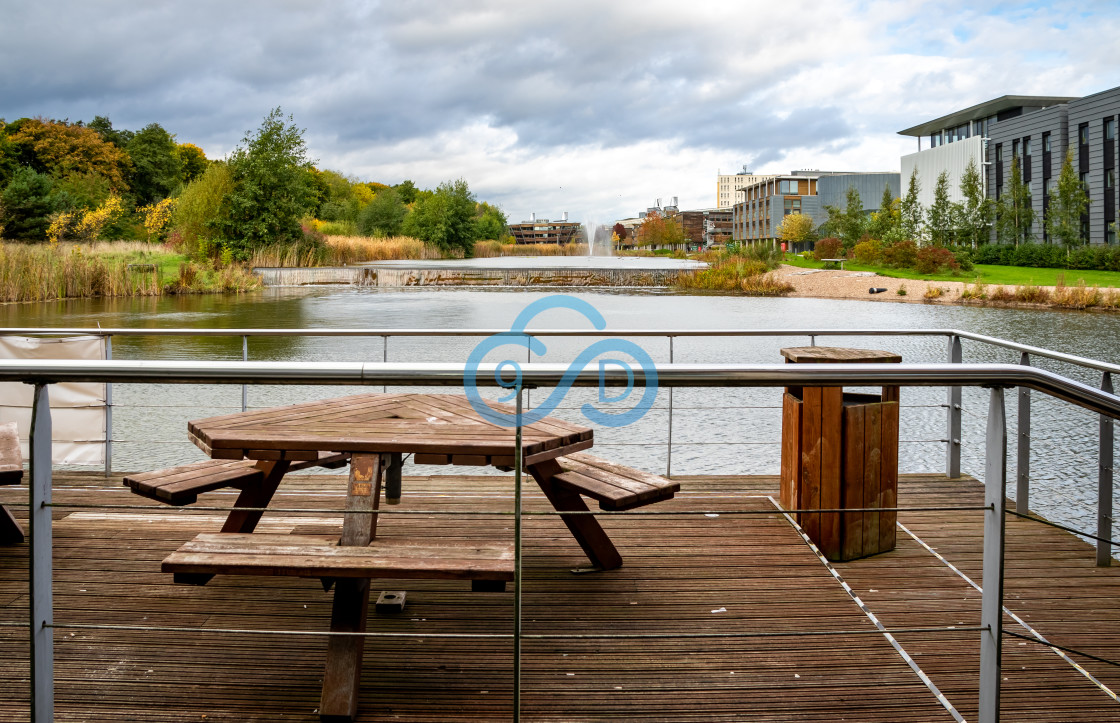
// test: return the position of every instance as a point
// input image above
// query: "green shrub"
(900, 254)
(827, 248)
(935, 259)
(868, 252)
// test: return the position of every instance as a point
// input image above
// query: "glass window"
(1083, 135)
(788, 188)
(1110, 129)
(1110, 179)
(1085, 181)
(1045, 142)
(1047, 186)
(1015, 148)
(962, 131)
(1027, 147)
(999, 153)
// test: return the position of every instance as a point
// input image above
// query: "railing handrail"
(664, 333)
(548, 374)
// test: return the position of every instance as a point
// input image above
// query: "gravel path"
(825, 284)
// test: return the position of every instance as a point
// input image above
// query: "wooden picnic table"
(375, 431)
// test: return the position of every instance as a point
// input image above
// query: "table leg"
(585, 528)
(256, 496)
(393, 479)
(10, 531)
(343, 672)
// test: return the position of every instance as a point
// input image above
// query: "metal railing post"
(953, 417)
(245, 358)
(108, 411)
(384, 358)
(669, 444)
(991, 602)
(40, 577)
(518, 463)
(1023, 447)
(1104, 483)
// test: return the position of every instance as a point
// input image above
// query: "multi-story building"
(959, 138)
(706, 226)
(1037, 131)
(728, 186)
(765, 204)
(543, 231)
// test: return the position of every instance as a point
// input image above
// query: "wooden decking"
(682, 574)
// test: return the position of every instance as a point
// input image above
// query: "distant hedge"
(1092, 258)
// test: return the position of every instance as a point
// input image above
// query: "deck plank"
(754, 570)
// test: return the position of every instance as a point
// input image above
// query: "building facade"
(766, 203)
(706, 226)
(543, 231)
(1038, 131)
(728, 186)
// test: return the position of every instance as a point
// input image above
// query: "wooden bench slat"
(615, 486)
(181, 485)
(321, 556)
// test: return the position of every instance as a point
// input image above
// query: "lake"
(731, 431)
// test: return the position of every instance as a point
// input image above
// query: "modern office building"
(1037, 130)
(543, 231)
(706, 226)
(764, 204)
(727, 186)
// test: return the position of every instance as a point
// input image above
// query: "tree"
(975, 212)
(445, 218)
(104, 128)
(198, 211)
(849, 224)
(657, 230)
(885, 224)
(620, 231)
(61, 150)
(383, 215)
(490, 223)
(156, 170)
(1068, 204)
(942, 214)
(26, 205)
(271, 187)
(1014, 212)
(796, 228)
(192, 161)
(407, 190)
(911, 213)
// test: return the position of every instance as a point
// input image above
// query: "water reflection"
(729, 431)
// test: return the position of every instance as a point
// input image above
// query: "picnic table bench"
(11, 473)
(836, 261)
(252, 451)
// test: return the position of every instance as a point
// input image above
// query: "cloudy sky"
(592, 107)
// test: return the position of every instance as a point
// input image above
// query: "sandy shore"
(835, 284)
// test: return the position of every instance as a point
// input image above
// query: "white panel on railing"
(77, 409)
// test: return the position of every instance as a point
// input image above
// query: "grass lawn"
(985, 273)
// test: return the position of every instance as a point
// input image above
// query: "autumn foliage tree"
(658, 230)
(62, 149)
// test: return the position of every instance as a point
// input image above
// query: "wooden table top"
(838, 355)
(443, 424)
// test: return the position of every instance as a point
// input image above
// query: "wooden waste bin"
(839, 451)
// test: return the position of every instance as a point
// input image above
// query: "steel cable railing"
(994, 376)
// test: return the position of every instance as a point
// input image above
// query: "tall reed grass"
(43, 273)
(736, 273)
(492, 249)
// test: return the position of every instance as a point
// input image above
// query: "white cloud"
(591, 107)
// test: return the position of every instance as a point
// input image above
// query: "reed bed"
(43, 273)
(745, 275)
(492, 249)
(1079, 296)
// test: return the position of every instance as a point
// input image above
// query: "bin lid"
(838, 355)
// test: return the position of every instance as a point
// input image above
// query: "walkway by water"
(702, 574)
